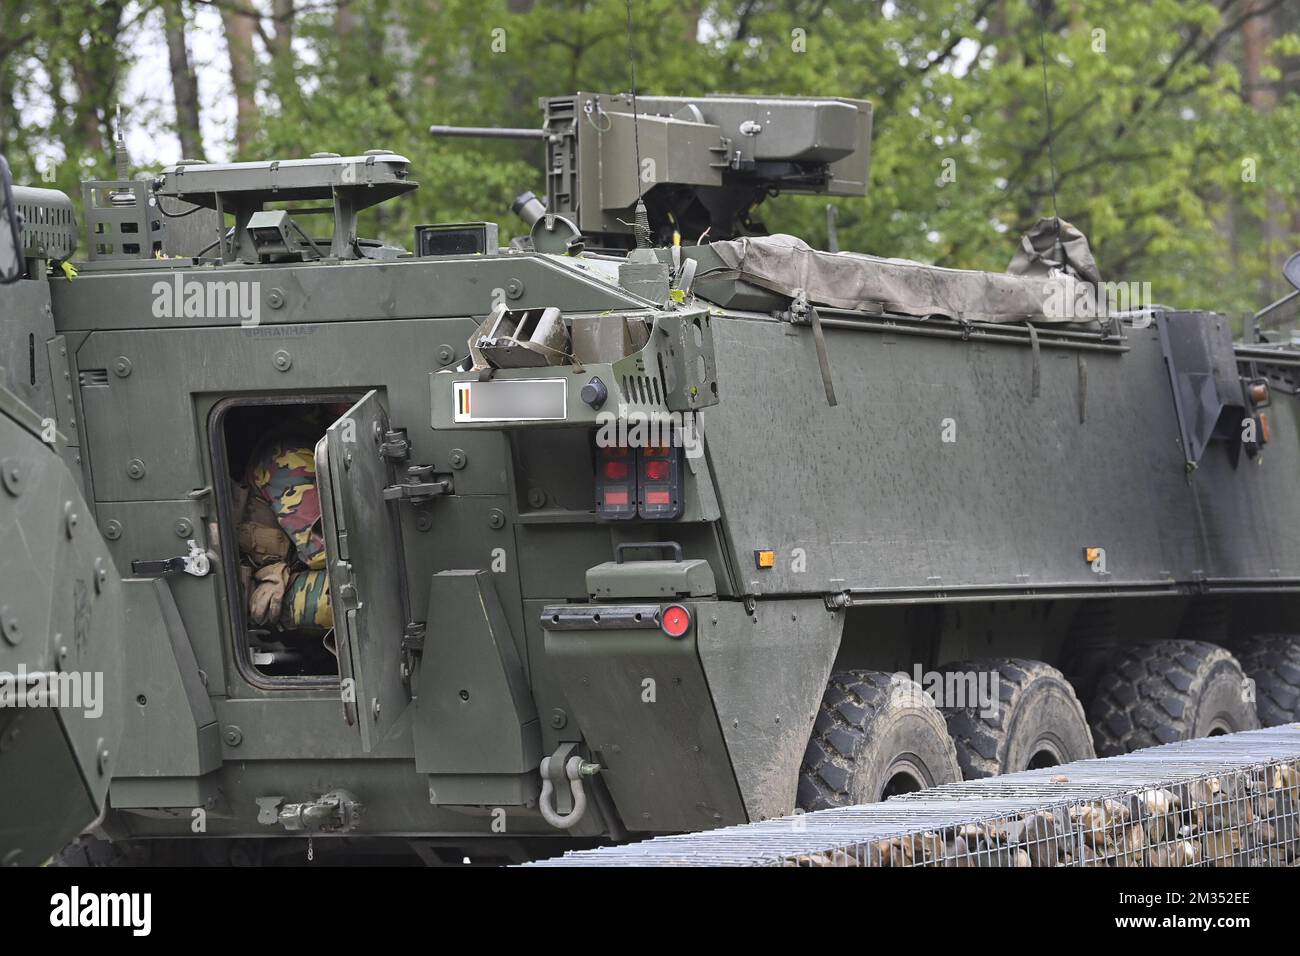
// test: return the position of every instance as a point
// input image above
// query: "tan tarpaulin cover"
(846, 280)
(1055, 244)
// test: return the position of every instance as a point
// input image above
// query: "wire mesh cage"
(1244, 817)
(1232, 800)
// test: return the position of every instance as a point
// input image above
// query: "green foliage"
(1159, 156)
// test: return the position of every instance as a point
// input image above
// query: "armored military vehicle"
(647, 522)
(62, 613)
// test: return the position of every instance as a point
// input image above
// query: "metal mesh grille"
(1219, 801)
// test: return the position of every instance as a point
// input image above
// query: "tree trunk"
(95, 73)
(345, 20)
(281, 44)
(240, 28)
(185, 87)
(1256, 35)
(693, 12)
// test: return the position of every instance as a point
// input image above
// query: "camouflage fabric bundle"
(283, 474)
(307, 602)
(281, 535)
(291, 601)
(261, 539)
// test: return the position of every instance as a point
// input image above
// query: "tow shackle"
(574, 769)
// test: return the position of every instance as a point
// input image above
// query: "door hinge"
(413, 639)
(418, 484)
(412, 648)
(394, 446)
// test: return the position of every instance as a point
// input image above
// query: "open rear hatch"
(366, 569)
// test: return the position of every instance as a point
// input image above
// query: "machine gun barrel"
(487, 132)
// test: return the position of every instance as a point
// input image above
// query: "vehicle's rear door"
(364, 545)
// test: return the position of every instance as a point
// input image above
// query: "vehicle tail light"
(660, 482)
(639, 481)
(615, 483)
(675, 621)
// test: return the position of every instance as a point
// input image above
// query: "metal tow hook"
(336, 811)
(574, 770)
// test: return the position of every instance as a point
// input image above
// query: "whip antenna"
(642, 217)
(1047, 106)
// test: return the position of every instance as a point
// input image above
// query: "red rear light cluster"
(660, 482)
(639, 481)
(616, 483)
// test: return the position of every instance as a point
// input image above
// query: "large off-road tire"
(1036, 720)
(1166, 691)
(1272, 661)
(876, 735)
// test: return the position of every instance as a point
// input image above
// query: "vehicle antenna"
(120, 155)
(122, 161)
(642, 217)
(1047, 106)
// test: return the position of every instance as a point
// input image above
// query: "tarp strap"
(1083, 388)
(1036, 379)
(823, 360)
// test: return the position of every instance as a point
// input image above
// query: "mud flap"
(643, 706)
(475, 727)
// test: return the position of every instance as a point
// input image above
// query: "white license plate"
(511, 400)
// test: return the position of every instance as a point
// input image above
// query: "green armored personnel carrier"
(647, 522)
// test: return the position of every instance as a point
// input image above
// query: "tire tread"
(853, 702)
(1147, 697)
(981, 740)
(1272, 661)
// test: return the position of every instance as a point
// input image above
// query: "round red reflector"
(656, 470)
(616, 470)
(675, 620)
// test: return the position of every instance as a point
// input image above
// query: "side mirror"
(11, 243)
(1292, 271)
